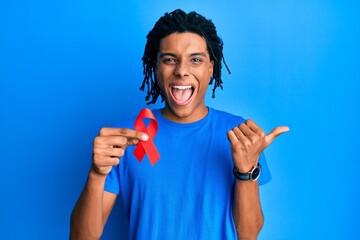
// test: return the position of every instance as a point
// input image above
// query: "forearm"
(247, 212)
(87, 217)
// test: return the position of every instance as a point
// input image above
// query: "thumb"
(275, 133)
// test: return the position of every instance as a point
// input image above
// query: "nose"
(182, 69)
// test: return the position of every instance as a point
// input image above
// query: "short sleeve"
(265, 175)
(112, 181)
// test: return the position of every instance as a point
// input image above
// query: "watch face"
(255, 173)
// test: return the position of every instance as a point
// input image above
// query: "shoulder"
(225, 114)
(227, 117)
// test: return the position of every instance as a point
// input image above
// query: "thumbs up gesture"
(247, 142)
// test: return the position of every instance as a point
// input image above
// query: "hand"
(247, 142)
(110, 146)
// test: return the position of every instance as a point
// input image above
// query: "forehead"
(183, 43)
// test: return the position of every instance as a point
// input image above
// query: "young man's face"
(183, 71)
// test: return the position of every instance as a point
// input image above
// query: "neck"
(184, 115)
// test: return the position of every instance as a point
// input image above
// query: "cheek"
(203, 77)
(158, 74)
(162, 74)
(160, 80)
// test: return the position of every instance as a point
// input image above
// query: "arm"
(94, 205)
(247, 212)
(247, 142)
(92, 209)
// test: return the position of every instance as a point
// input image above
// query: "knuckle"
(103, 131)
(132, 142)
(96, 151)
(247, 144)
(238, 148)
(254, 139)
(262, 134)
(123, 141)
(97, 159)
(124, 131)
(96, 141)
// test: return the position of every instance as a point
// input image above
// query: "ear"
(211, 67)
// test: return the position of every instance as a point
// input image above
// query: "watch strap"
(248, 176)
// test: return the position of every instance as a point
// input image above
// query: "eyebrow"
(161, 55)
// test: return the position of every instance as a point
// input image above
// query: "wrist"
(244, 169)
(251, 175)
(95, 181)
(96, 175)
(100, 170)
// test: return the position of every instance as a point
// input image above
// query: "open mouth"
(182, 94)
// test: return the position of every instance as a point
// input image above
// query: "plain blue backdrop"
(68, 68)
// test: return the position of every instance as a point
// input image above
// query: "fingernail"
(144, 137)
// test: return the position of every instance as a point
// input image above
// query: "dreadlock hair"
(179, 22)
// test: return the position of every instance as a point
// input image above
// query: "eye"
(196, 60)
(169, 60)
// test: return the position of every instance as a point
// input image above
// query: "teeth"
(182, 87)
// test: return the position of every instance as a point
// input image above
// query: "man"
(205, 185)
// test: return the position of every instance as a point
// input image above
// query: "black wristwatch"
(253, 175)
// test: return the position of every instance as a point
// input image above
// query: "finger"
(114, 161)
(126, 132)
(104, 167)
(245, 129)
(255, 128)
(240, 135)
(113, 141)
(275, 133)
(110, 152)
(232, 137)
(105, 161)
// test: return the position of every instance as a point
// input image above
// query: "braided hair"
(179, 22)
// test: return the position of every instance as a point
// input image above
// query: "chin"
(181, 111)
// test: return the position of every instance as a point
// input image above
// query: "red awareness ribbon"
(148, 146)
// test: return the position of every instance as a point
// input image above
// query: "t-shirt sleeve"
(112, 181)
(265, 175)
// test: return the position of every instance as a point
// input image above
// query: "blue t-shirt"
(188, 193)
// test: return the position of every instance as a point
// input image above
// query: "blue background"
(68, 68)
